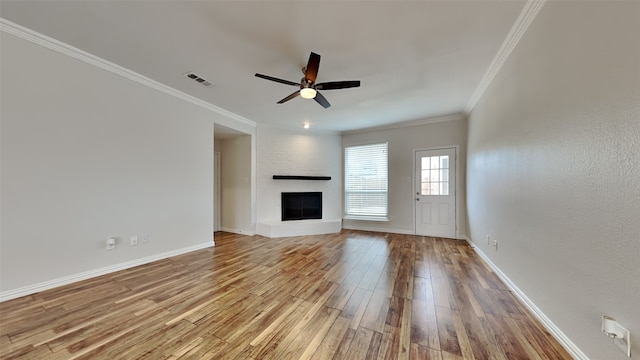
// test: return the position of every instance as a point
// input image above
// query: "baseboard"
(374, 229)
(237, 231)
(571, 348)
(50, 284)
(393, 231)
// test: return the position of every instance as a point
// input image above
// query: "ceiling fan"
(308, 87)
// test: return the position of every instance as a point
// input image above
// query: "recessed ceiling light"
(306, 126)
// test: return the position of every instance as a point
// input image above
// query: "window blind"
(366, 180)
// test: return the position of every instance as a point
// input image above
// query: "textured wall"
(554, 169)
(87, 155)
(402, 142)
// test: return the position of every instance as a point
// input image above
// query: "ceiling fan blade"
(321, 100)
(287, 82)
(293, 95)
(338, 85)
(312, 67)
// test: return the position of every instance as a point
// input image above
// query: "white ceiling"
(415, 59)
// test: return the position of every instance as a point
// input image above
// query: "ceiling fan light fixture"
(308, 93)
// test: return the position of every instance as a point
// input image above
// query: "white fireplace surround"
(284, 228)
(302, 161)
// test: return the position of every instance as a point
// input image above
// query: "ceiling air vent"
(197, 78)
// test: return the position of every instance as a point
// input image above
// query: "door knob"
(417, 199)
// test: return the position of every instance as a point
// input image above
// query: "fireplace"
(301, 205)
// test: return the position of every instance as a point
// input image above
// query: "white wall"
(297, 152)
(236, 182)
(402, 143)
(88, 154)
(554, 169)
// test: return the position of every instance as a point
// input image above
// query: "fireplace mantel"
(300, 177)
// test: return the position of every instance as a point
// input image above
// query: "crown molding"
(426, 121)
(529, 11)
(73, 52)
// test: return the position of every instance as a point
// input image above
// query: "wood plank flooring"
(353, 295)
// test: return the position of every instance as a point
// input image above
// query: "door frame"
(216, 191)
(456, 192)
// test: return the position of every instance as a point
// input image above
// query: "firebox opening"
(301, 205)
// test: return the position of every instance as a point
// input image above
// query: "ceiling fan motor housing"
(307, 90)
(304, 83)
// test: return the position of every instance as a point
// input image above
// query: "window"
(366, 181)
(435, 175)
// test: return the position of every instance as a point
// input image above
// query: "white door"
(435, 192)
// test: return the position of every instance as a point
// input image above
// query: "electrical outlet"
(133, 241)
(145, 239)
(495, 244)
(624, 343)
(488, 239)
(620, 336)
(111, 243)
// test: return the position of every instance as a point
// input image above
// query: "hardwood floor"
(353, 295)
